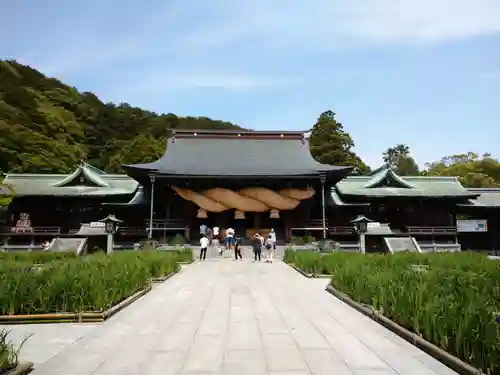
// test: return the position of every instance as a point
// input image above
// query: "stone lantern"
(110, 227)
(361, 225)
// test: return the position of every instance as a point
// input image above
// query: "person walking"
(270, 246)
(257, 247)
(237, 248)
(229, 238)
(203, 230)
(215, 241)
(262, 241)
(209, 234)
(204, 243)
(222, 241)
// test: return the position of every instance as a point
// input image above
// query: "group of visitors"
(212, 237)
(269, 244)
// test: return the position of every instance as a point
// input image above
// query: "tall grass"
(92, 283)
(453, 301)
(9, 354)
(185, 255)
(35, 257)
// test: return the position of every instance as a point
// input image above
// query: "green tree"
(6, 195)
(142, 149)
(471, 169)
(47, 126)
(392, 154)
(398, 158)
(330, 144)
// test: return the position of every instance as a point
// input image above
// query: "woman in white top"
(216, 241)
(270, 246)
(229, 238)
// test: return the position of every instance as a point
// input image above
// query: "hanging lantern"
(202, 214)
(239, 215)
(274, 214)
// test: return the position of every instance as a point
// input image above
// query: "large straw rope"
(254, 199)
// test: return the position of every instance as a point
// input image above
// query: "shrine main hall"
(251, 181)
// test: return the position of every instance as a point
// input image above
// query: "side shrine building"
(251, 181)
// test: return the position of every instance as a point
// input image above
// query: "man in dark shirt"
(257, 247)
(237, 248)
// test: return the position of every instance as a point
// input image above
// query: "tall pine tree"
(330, 144)
(398, 158)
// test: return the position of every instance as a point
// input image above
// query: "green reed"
(92, 283)
(450, 299)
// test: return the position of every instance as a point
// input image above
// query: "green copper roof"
(386, 183)
(387, 178)
(338, 201)
(84, 181)
(487, 198)
(139, 199)
(87, 173)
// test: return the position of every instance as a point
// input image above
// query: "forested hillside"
(47, 126)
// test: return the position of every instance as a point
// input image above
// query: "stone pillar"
(109, 246)
(362, 243)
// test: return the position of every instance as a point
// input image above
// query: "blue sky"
(425, 73)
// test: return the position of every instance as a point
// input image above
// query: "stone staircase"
(69, 244)
(399, 244)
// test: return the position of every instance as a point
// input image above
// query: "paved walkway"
(226, 317)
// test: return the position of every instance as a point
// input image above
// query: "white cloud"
(423, 21)
(199, 80)
(236, 30)
(326, 22)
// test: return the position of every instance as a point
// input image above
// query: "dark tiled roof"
(230, 155)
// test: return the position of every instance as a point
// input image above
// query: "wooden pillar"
(288, 229)
(257, 220)
(454, 222)
(152, 178)
(323, 205)
(492, 225)
(168, 213)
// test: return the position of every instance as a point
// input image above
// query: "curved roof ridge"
(139, 198)
(87, 172)
(92, 168)
(378, 179)
(378, 170)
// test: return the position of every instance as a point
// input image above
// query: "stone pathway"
(226, 317)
